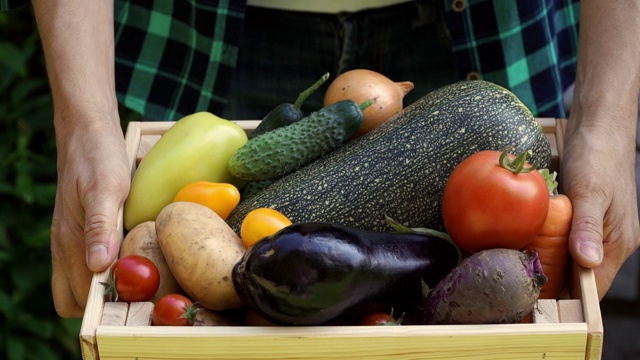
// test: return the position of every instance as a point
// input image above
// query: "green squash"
(400, 168)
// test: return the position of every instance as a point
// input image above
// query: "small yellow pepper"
(260, 223)
(219, 197)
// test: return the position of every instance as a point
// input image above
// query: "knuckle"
(589, 224)
(96, 225)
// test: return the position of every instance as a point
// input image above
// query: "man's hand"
(93, 182)
(93, 175)
(598, 175)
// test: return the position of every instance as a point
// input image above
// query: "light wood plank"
(561, 125)
(139, 313)
(114, 314)
(546, 312)
(570, 310)
(590, 300)
(482, 342)
(548, 124)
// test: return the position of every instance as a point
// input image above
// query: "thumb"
(102, 231)
(585, 239)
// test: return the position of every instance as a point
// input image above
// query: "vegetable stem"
(550, 179)
(366, 104)
(424, 231)
(310, 90)
(517, 165)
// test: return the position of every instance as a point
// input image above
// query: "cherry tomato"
(381, 318)
(494, 200)
(219, 197)
(260, 223)
(174, 310)
(133, 278)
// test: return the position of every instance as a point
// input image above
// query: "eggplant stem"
(424, 231)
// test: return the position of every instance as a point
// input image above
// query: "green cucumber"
(400, 168)
(283, 150)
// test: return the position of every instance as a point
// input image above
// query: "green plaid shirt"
(529, 47)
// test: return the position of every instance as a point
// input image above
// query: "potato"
(142, 240)
(201, 251)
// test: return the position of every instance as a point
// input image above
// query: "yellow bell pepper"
(196, 148)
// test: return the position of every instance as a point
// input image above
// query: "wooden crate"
(570, 328)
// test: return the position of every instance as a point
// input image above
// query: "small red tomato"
(174, 310)
(133, 278)
(381, 318)
(493, 200)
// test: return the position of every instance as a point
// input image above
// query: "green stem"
(424, 231)
(366, 104)
(517, 165)
(305, 94)
(550, 179)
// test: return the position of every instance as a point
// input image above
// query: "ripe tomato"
(174, 310)
(494, 200)
(133, 278)
(260, 223)
(381, 318)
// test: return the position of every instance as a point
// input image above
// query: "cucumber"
(285, 149)
(400, 168)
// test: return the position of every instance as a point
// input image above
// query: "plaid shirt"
(529, 47)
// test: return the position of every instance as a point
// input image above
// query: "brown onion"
(361, 85)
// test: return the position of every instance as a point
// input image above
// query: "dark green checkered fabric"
(529, 47)
(176, 57)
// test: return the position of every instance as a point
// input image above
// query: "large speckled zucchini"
(400, 168)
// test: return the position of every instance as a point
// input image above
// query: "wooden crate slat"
(139, 313)
(546, 312)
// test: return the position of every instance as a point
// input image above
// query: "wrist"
(82, 122)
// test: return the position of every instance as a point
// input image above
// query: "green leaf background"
(29, 325)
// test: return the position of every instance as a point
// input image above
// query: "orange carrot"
(552, 240)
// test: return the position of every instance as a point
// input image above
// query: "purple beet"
(495, 286)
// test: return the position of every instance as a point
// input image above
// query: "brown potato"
(201, 251)
(142, 240)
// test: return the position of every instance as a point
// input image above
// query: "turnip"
(494, 286)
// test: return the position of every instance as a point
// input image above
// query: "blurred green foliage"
(29, 325)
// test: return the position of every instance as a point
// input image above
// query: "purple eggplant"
(313, 273)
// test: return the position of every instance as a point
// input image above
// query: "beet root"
(494, 286)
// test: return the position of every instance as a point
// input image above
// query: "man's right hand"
(93, 182)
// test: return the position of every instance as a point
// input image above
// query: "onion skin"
(361, 85)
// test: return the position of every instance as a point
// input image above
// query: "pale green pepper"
(196, 148)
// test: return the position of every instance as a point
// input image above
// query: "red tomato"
(133, 278)
(174, 310)
(381, 318)
(486, 205)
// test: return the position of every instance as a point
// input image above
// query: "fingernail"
(591, 252)
(97, 256)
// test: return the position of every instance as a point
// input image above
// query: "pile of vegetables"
(442, 212)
